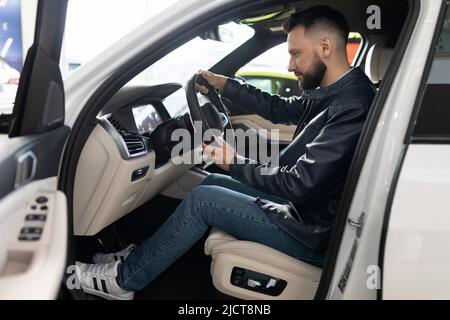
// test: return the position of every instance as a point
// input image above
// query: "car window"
(92, 26)
(269, 71)
(17, 21)
(183, 62)
(199, 53)
(263, 84)
(434, 116)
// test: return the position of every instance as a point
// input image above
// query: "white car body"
(375, 181)
(406, 228)
(416, 260)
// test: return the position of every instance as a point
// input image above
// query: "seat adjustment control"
(258, 282)
(253, 283)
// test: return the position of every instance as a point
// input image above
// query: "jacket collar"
(337, 86)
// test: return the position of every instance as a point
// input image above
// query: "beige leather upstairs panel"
(256, 122)
(104, 191)
(103, 188)
(162, 178)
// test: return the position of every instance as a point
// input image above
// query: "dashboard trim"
(118, 139)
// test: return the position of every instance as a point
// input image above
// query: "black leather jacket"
(313, 168)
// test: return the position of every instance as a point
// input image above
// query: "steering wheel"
(213, 114)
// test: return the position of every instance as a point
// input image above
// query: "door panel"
(32, 263)
(15, 152)
(33, 213)
(33, 228)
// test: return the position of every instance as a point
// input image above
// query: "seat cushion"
(228, 252)
(215, 238)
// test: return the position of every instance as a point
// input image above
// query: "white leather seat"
(227, 252)
(377, 61)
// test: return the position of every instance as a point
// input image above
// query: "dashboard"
(133, 113)
(118, 169)
(147, 118)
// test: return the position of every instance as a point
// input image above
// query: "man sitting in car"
(292, 209)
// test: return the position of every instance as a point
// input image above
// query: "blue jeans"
(221, 202)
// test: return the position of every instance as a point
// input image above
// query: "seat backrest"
(377, 61)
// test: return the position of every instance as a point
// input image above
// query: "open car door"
(33, 213)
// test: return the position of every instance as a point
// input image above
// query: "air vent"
(134, 144)
(116, 124)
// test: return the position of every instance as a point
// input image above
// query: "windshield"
(179, 65)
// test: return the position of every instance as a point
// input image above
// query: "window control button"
(44, 208)
(29, 237)
(31, 231)
(33, 207)
(36, 217)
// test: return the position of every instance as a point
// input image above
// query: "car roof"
(355, 11)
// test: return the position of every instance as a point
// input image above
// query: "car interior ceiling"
(189, 277)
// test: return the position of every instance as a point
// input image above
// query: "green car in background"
(271, 81)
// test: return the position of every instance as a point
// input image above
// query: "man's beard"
(314, 76)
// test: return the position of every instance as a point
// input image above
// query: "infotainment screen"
(146, 118)
(176, 103)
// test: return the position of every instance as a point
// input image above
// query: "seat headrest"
(377, 62)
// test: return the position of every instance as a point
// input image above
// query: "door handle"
(357, 224)
(26, 169)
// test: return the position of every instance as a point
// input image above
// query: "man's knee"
(202, 197)
(213, 179)
(202, 193)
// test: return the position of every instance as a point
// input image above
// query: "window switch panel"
(36, 217)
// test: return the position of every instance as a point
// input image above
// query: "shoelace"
(101, 271)
(125, 252)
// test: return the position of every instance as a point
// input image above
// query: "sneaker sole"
(105, 295)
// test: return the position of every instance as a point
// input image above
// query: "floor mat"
(189, 278)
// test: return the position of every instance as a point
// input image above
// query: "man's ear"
(325, 46)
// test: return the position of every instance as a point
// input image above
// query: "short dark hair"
(322, 17)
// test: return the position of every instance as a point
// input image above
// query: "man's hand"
(215, 80)
(221, 152)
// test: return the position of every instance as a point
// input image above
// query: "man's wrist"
(223, 84)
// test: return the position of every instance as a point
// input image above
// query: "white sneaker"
(101, 258)
(100, 280)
